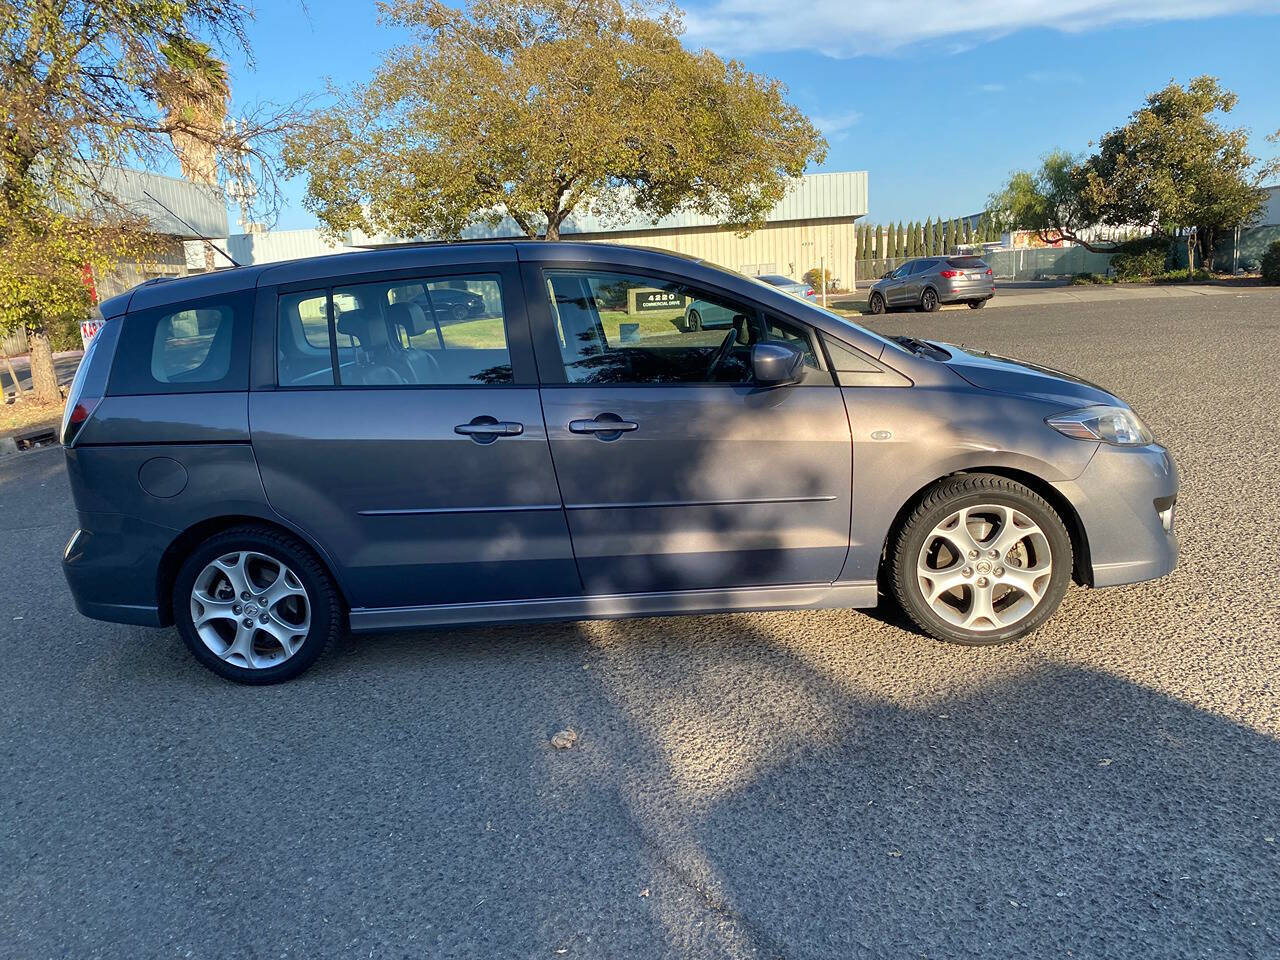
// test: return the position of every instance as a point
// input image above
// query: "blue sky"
(937, 101)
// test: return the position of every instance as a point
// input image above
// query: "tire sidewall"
(694, 322)
(876, 304)
(923, 524)
(925, 304)
(325, 615)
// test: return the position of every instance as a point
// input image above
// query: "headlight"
(1117, 425)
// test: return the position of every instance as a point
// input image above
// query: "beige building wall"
(790, 247)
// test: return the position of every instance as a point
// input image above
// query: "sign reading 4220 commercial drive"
(644, 301)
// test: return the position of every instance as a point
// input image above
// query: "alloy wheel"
(985, 568)
(250, 609)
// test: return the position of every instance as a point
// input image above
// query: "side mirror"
(776, 363)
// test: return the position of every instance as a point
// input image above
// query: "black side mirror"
(776, 363)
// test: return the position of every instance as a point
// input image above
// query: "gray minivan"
(270, 455)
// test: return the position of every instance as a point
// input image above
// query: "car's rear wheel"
(981, 560)
(255, 606)
(693, 322)
(875, 304)
(977, 304)
(929, 300)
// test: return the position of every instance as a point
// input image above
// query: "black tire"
(948, 496)
(929, 300)
(327, 614)
(977, 304)
(693, 322)
(875, 304)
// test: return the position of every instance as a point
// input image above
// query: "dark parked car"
(930, 282)
(267, 456)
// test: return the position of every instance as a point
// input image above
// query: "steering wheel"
(722, 354)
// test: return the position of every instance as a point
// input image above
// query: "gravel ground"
(780, 785)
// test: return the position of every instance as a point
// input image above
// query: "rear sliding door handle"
(606, 426)
(489, 429)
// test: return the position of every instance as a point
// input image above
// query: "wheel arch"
(188, 539)
(1082, 565)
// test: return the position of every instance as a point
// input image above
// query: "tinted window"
(800, 336)
(922, 266)
(776, 280)
(303, 357)
(440, 331)
(627, 328)
(846, 359)
(196, 347)
(967, 263)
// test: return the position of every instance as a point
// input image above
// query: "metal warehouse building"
(813, 223)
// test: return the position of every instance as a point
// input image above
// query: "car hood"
(1003, 375)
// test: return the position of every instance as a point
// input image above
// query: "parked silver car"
(704, 315)
(797, 288)
(268, 456)
(929, 282)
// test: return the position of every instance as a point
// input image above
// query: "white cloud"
(836, 127)
(992, 88)
(842, 28)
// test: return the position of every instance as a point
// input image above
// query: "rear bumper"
(963, 293)
(1125, 499)
(112, 567)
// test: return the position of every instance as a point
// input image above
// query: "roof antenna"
(148, 195)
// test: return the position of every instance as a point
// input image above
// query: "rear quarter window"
(199, 346)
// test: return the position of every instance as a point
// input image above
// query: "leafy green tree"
(900, 250)
(913, 239)
(879, 242)
(1173, 168)
(927, 238)
(87, 85)
(535, 109)
(946, 237)
(968, 232)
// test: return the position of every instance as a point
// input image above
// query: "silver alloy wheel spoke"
(984, 567)
(250, 609)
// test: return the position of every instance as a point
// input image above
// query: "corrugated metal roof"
(813, 196)
(203, 207)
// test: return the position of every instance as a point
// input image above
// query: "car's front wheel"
(693, 322)
(981, 560)
(875, 304)
(929, 300)
(255, 606)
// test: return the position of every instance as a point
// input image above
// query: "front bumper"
(1125, 500)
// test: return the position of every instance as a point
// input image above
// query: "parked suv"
(267, 456)
(931, 281)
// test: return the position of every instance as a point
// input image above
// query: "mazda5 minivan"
(268, 456)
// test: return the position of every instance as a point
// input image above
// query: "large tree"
(1173, 168)
(536, 109)
(88, 85)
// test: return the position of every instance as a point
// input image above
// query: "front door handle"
(606, 426)
(489, 429)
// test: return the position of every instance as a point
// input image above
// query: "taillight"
(77, 416)
(988, 271)
(809, 293)
(950, 273)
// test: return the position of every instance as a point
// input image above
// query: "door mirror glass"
(776, 363)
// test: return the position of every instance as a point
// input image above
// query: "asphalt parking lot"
(794, 785)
